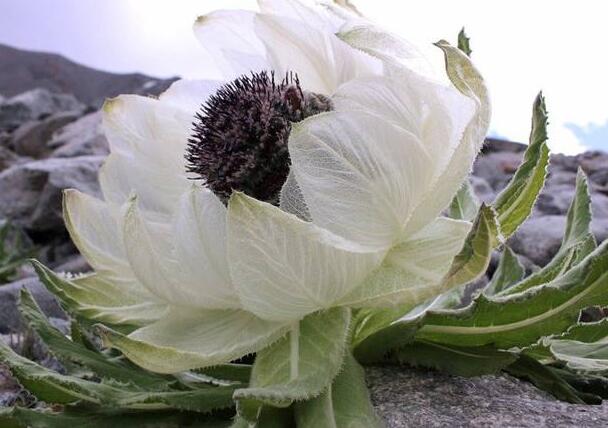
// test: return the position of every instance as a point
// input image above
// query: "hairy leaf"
(514, 204)
(465, 204)
(64, 349)
(577, 243)
(457, 360)
(320, 346)
(463, 42)
(53, 387)
(521, 319)
(509, 272)
(346, 403)
(544, 378)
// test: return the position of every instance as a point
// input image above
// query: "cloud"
(592, 135)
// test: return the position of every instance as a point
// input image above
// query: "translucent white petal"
(413, 270)
(323, 62)
(94, 228)
(403, 65)
(284, 268)
(189, 95)
(150, 251)
(361, 176)
(292, 199)
(229, 36)
(158, 189)
(388, 47)
(147, 129)
(307, 12)
(469, 82)
(199, 235)
(187, 339)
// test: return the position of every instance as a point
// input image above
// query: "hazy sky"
(521, 46)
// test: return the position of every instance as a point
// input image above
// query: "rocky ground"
(50, 141)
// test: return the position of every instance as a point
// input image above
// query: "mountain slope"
(21, 70)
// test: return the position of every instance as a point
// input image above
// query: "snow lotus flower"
(343, 168)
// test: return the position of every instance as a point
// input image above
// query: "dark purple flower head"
(241, 132)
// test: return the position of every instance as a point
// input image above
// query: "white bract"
(360, 220)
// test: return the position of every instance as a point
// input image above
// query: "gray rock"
(83, 137)
(31, 138)
(406, 397)
(564, 163)
(74, 264)
(482, 189)
(10, 319)
(35, 104)
(30, 193)
(539, 238)
(556, 199)
(497, 168)
(493, 145)
(599, 226)
(7, 157)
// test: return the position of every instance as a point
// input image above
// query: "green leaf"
(529, 369)
(509, 272)
(456, 360)
(64, 349)
(93, 298)
(514, 204)
(521, 319)
(583, 382)
(581, 356)
(317, 351)
(577, 243)
(18, 417)
(474, 258)
(346, 403)
(465, 204)
(56, 388)
(463, 43)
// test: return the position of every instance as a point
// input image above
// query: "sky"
(520, 46)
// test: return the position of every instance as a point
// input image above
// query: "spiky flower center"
(241, 132)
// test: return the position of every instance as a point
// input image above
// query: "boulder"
(35, 104)
(7, 157)
(409, 397)
(10, 319)
(30, 193)
(83, 137)
(482, 189)
(556, 199)
(497, 168)
(539, 238)
(31, 138)
(493, 145)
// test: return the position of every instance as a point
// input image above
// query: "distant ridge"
(22, 70)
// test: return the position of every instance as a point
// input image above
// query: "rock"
(30, 193)
(599, 228)
(556, 199)
(31, 138)
(83, 137)
(482, 189)
(564, 163)
(593, 161)
(539, 238)
(407, 397)
(497, 168)
(7, 157)
(10, 319)
(35, 104)
(74, 264)
(493, 145)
